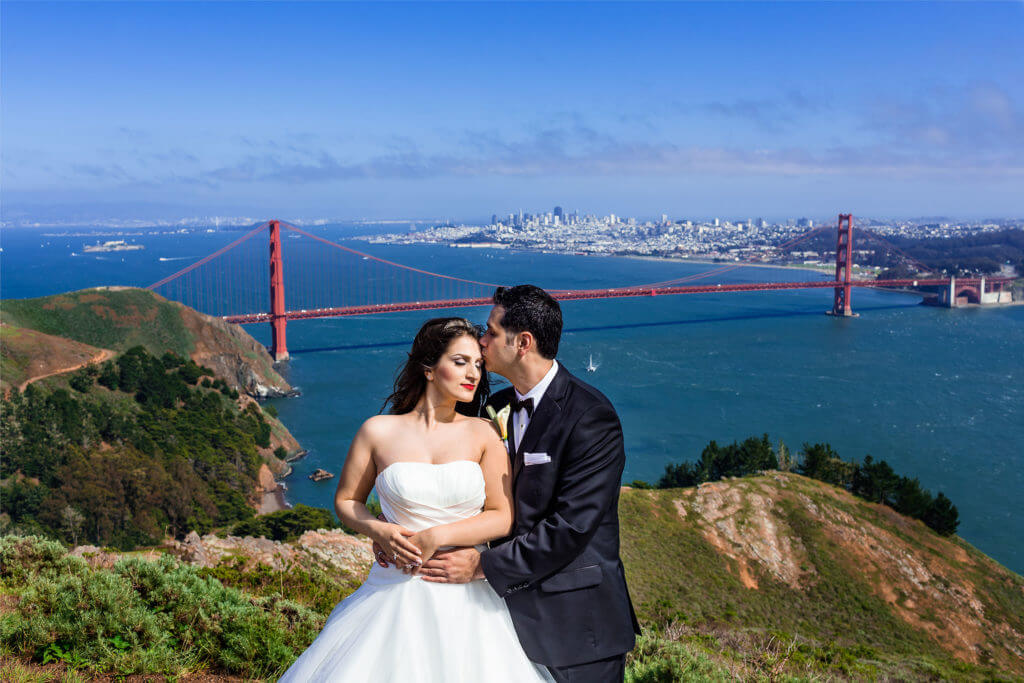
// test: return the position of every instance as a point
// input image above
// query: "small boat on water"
(590, 365)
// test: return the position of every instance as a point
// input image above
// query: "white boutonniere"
(500, 420)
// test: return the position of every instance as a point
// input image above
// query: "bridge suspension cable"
(356, 252)
(203, 261)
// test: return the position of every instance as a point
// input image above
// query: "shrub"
(143, 617)
(660, 660)
(286, 525)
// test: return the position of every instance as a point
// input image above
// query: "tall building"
(558, 212)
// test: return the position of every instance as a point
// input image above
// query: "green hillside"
(770, 577)
(805, 577)
(109, 318)
(120, 318)
(28, 354)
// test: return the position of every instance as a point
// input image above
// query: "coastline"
(824, 270)
(272, 493)
(702, 262)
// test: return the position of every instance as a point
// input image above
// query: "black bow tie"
(526, 403)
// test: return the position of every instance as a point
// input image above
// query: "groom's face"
(498, 353)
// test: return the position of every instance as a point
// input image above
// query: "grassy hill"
(119, 318)
(781, 572)
(771, 577)
(27, 354)
(110, 318)
(48, 335)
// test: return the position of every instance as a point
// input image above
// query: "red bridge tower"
(278, 318)
(844, 260)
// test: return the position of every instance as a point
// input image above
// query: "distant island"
(113, 245)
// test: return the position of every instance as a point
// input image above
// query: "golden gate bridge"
(334, 280)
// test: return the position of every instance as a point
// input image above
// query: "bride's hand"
(394, 540)
(428, 543)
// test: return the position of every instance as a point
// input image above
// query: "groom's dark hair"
(530, 309)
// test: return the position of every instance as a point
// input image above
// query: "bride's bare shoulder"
(379, 425)
(483, 429)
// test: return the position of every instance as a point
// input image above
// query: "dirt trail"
(104, 355)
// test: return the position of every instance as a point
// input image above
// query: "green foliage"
(872, 480)
(82, 380)
(879, 483)
(308, 585)
(270, 410)
(145, 617)
(152, 456)
(286, 525)
(942, 515)
(735, 460)
(660, 660)
(821, 462)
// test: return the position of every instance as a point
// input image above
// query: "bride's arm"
(354, 486)
(495, 521)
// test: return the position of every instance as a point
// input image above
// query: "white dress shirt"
(520, 420)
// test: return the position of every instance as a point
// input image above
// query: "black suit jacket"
(560, 571)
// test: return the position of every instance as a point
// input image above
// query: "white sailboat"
(590, 365)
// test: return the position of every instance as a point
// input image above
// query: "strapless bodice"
(419, 495)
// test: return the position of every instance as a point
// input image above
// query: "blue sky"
(388, 110)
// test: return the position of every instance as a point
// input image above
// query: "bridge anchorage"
(340, 281)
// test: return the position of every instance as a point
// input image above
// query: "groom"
(559, 571)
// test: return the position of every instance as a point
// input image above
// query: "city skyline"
(165, 110)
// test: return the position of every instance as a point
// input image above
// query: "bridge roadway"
(621, 292)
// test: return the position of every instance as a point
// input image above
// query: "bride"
(443, 479)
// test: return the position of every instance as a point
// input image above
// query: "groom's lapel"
(547, 410)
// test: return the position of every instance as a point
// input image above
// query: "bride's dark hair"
(431, 341)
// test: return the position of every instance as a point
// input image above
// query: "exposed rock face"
(234, 356)
(739, 520)
(330, 549)
(929, 582)
(98, 558)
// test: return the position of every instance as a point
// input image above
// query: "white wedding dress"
(403, 629)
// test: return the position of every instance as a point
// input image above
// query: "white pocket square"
(535, 458)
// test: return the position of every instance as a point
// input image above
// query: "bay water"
(935, 392)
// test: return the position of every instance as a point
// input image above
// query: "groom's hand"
(458, 565)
